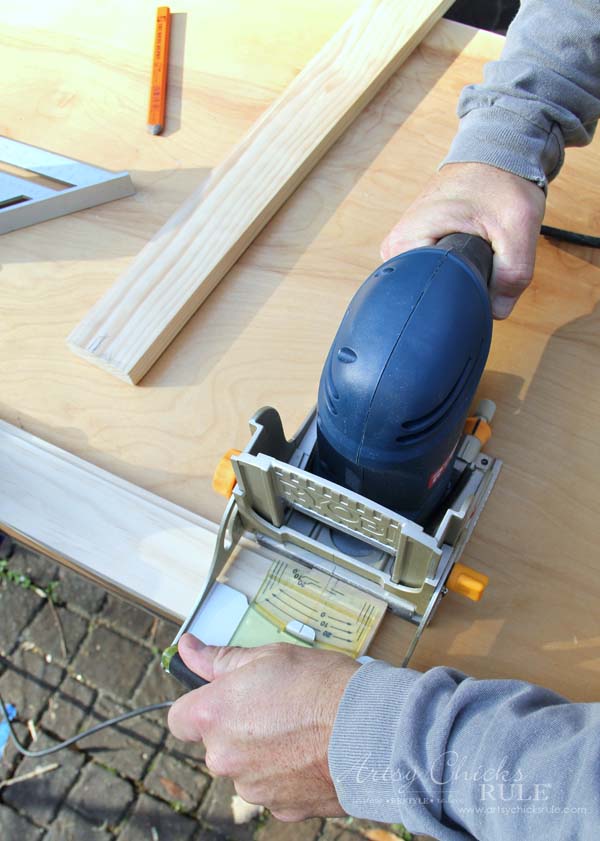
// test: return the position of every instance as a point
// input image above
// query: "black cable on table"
(570, 236)
(111, 722)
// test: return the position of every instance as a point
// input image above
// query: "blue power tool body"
(379, 487)
(402, 372)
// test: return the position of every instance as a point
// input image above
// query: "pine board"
(127, 539)
(131, 541)
(128, 329)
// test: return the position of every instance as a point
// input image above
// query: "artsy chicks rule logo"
(492, 783)
(500, 783)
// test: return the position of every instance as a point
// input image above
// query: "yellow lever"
(467, 582)
(224, 480)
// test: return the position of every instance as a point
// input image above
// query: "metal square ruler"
(79, 185)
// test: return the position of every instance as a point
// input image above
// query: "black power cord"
(111, 722)
(570, 236)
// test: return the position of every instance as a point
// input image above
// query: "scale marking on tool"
(316, 607)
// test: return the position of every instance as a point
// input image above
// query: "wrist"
(510, 143)
(365, 735)
(333, 686)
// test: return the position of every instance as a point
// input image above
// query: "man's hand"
(266, 719)
(478, 199)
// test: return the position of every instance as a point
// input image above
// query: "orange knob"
(480, 428)
(224, 476)
(467, 581)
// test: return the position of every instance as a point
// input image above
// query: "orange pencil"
(160, 69)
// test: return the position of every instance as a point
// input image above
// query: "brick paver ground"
(132, 783)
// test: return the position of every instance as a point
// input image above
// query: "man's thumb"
(210, 661)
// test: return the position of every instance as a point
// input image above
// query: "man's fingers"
(479, 199)
(514, 261)
(514, 257)
(195, 713)
(191, 648)
(187, 717)
(210, 661)
(427, 220)
(415, 230)
(396, 243)
(191, 714)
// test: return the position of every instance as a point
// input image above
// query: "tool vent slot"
(419, 426)
(331, 393)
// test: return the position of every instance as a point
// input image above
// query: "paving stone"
(7, 546)
(69, 826)
(165, 634)
(40, 797)
(127, 617)
(216, 811)
(274, 830)
(174, 781)
(334, 827)
(203, 834)
(68, 708)
(17, 608)
(11, 756)
(78, 592)
(335, 830)
(129, 747)
(28, 682)
(153, 819)
(111, 662)
(193, 753)
(157, 686)
(14, 827)
(40, 569)
(101, 796)
(344, 829)
(45, 634)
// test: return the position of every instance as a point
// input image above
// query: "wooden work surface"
(78, 85)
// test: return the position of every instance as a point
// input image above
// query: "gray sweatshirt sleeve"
(458, 758)
(543, 94)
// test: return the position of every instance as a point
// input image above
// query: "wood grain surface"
(128, 329)
(262, 335)
(118, 534)
(127, 539)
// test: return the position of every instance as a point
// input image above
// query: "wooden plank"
(139, 316)
(132, 541)
(127, 539)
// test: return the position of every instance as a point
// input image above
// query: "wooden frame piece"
(128, 329)
(125, 538)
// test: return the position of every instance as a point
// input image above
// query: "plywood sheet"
(262, 336)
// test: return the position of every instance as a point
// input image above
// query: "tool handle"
(185, 676)
(472, 249)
